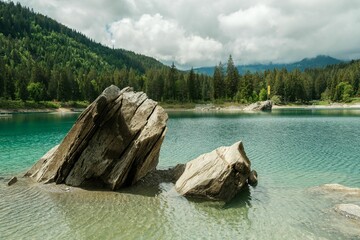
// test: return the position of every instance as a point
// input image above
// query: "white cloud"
(204, 32)
(254, 21)
(164, 39)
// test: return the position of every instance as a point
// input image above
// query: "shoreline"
(41, 110)
(240, 107)
(327, 106)
(197, 108)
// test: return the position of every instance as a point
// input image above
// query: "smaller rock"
(349, 210)
(12, 181)
(252, 180)
(260, 106)
(266, 106)
(217, 175)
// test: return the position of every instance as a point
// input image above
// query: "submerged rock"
(338, 189)
(252, 180)
(259, 106)
(115, 142)
(12, 181)
(349, 210)
(218, 175)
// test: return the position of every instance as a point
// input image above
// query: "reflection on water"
(318, 112)
(292, 150)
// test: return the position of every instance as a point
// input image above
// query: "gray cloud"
(204, 32)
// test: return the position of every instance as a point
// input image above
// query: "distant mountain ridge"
(319, 61)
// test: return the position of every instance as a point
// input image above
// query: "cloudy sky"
(204, 32)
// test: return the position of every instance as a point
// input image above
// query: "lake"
(293, 151)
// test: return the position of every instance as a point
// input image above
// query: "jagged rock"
(12, 181)
(259, 106)
(349, 210)
(218, 175)
(115, 141)
(252, 180)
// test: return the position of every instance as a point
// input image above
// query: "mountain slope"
(320, 61)
(18, 22)
(59, 62)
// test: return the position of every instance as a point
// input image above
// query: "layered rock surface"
(217, 175)
(115, 141)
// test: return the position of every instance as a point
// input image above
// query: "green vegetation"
(178, 105)
(18, 104)
(335, 83)
(42, 60)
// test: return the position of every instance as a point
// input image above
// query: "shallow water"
(292, 151)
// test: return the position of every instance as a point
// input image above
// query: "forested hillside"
(41, 59)
(59, 62)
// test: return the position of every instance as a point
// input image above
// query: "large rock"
(259, 106)
(218, 175)
(115, 142)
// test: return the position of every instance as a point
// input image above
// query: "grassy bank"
(355, 100)
(177, 105)
(20, 105)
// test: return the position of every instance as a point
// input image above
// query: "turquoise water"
(292, 151)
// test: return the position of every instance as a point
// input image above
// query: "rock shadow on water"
(150, 185)
(241, 200)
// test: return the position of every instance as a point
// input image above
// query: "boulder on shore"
(259, 106)
(114, 142)
(218, 175)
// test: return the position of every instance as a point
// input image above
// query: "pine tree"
(231, 80)
(170, 86)
(191, 85)
(218, 81)
(245, 88)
